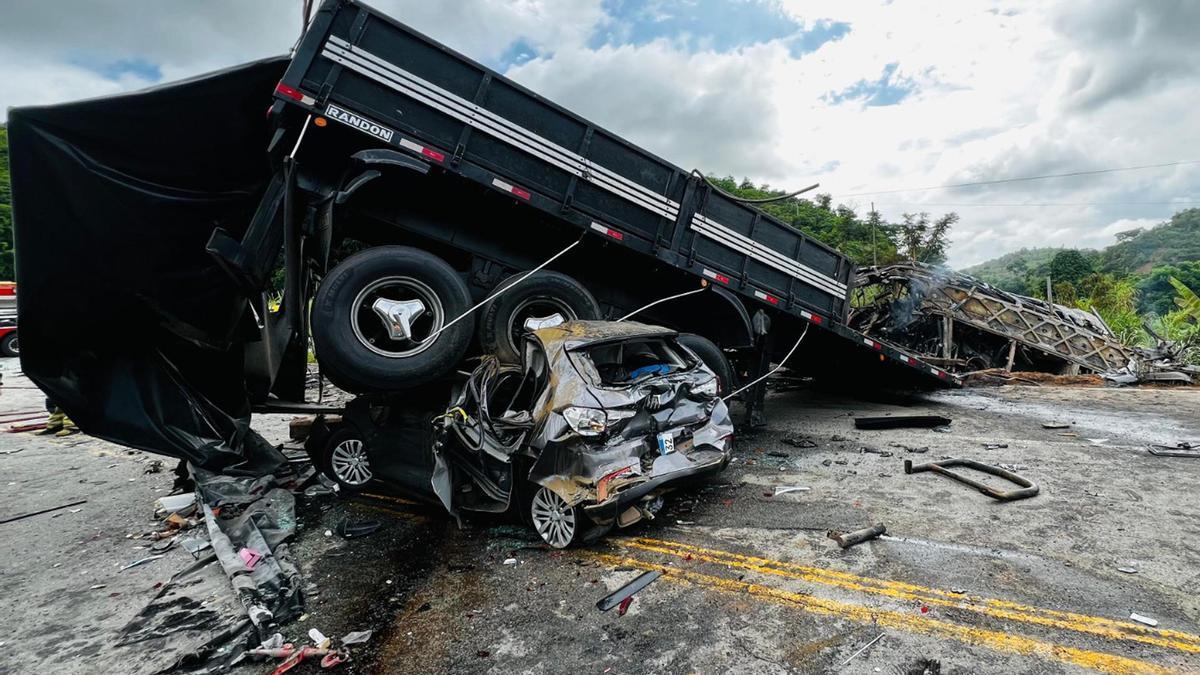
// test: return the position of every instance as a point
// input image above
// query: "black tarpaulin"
(126, 321)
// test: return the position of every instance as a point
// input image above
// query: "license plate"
(666, 443)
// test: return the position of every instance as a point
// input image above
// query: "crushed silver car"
(587, 433)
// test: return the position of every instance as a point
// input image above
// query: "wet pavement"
(751, 583)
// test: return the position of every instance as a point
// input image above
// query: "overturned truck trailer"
(387, 185)
(964, 324)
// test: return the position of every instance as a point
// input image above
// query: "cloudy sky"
(871, 98)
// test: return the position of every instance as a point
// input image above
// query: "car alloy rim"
(14, 347)
(395, 316)
(535, 313)
(350, 463)
(553, 518)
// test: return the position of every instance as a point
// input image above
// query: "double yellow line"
(915, 623)
(1001, 609)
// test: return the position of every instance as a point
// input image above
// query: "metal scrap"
(627, 591)
(1182, 449)
(1028, 488)
(848, 539)
(901, 422)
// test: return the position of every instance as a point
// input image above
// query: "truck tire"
(362, 352)
(713, 357)
(543, 295)
(9, 346)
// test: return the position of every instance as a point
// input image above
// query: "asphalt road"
(751, 583)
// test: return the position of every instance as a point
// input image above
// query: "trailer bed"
(361, 69)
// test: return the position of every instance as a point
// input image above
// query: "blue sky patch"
(115, 70)
(517, 53)
(822, 31)
(719, 25)
(887, 90)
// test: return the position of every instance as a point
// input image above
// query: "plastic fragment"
(356, 637)
(318, 638)
(624, 606)
(1143, 619)
(250, 557)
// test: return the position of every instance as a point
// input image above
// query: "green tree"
(925, 241)
(864, 240)
(1070, 265)
(1156, 295)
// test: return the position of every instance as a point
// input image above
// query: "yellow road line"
(1005, 642)
(1002, 609)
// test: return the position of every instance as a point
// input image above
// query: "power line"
(961, 204)
(1026, 178)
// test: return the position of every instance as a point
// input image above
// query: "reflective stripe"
(371, 66)
(375, 68)
(767, 256)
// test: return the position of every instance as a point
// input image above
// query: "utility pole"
(874, 248)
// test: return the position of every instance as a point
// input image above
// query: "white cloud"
(1001, 88)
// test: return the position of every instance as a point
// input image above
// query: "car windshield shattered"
(591, 429)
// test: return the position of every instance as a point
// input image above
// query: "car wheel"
(544, 299)
(8, 346)
(713, 357)
(375, 315)
(558, 523)
(344, 459)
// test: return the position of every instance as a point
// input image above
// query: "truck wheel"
(8, 346)
(374, 315)
(713, 357)
(544, 299)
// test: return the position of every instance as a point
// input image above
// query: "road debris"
(1127, 570)
(874, 451)
(250, 557)
(143, 561)
(862, 649)
(798, 442)
(784, 489)
(38, 513)
(848, 539)
(176, 503)
(355, 529)
(995, 446)
(1143, 619)
(901, 422)
(1181, 449)
(1056, 425)
(1028, 488)
(356, 637)
(627, 591)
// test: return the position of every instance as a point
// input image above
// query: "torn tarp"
(127, 322)
(255, 514)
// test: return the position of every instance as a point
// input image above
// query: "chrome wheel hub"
(553, 518)
(350, 462)
(397, 317)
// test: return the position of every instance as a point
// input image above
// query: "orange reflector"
(320, 121)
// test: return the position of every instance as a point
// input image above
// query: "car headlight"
(593, 422)
(707, 389)
(586, 421)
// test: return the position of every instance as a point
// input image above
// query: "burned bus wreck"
(964, 324)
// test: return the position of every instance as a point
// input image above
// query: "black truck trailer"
(399, 193)
(424, 148)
